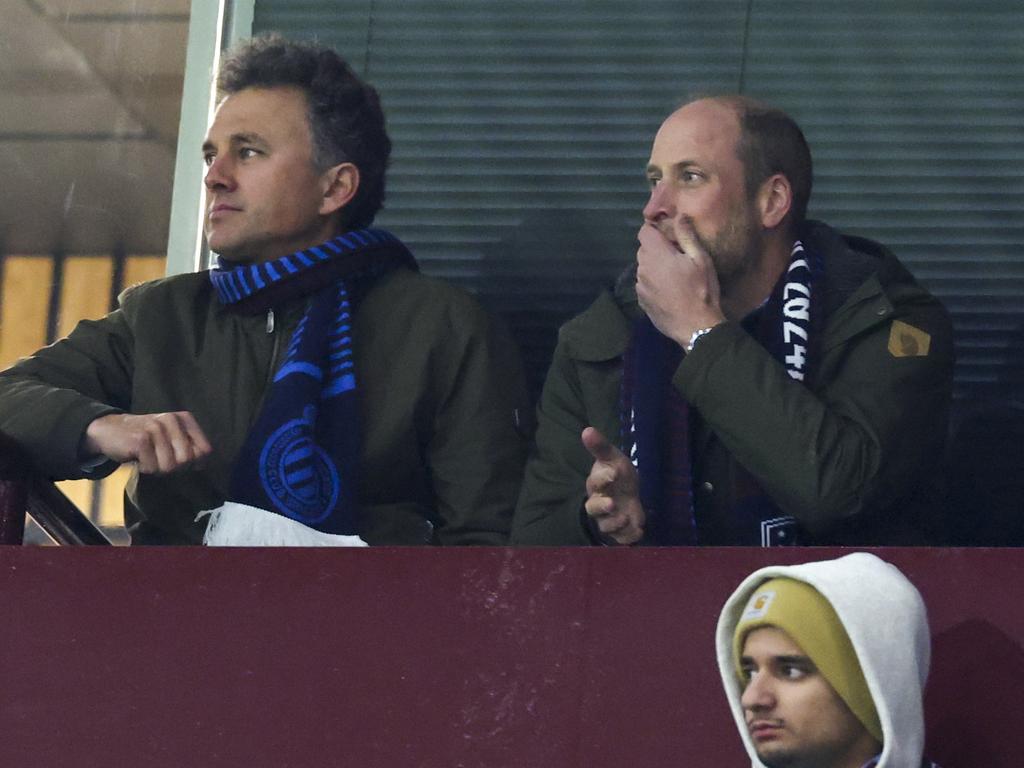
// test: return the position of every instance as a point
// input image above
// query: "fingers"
(611, 466)
(623, 529)
(195, 445)
(652, 240)
(691, 245)
(171, 442)
(598, 446)
(612, 473)
(142, 448)
(602, 478)
(621, 520)
(688, 242)
(200, 445)
(159, 443)
(677, 285)
(611, 486)
(175, 440)
(154, 443)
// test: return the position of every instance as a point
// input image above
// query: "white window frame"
(213, 27)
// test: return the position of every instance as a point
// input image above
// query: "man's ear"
(774, 199)
(340, 184)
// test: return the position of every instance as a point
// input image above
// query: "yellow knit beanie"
(799, 610)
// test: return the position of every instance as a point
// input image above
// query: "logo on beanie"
(758, 606)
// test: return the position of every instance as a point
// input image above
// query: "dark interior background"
(521, 130)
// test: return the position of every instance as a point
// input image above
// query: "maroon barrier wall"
(477, 657)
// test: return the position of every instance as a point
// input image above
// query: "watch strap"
(696, 336)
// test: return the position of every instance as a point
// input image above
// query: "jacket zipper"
(270, 328)
(273, 353)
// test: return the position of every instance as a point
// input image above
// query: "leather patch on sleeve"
(907, 341)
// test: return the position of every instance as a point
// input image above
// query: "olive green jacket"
(440, 388)
(845, 453)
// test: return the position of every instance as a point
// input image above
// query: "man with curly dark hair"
(345, 117)
(312, 388)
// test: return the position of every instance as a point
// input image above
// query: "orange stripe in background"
(139, 269)
(24, 306)
(85, 292)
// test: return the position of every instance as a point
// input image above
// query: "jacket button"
(882, 311)
(708, 487)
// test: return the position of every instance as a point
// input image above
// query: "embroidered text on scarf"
(300, 459)
(655, 418)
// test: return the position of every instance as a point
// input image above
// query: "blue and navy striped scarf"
(656, 421)
(300, 458)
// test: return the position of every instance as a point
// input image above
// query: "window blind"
(521, 129)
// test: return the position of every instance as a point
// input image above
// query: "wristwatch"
(696, 335)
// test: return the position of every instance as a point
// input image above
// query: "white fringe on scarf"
(239, 525)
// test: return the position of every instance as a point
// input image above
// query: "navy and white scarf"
(655, 418)
(300, 459)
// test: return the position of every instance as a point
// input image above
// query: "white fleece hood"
(884, 615)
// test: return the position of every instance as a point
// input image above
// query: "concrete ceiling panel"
(59, 8)
(131, 52)
(97, 196)
(77, 69)
(162, 112)
(92, 112)
(30, 43)
(148, 85)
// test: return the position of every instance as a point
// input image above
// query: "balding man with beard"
(756, 378)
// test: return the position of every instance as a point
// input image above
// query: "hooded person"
(824, 665)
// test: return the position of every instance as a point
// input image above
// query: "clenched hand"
(159, 443)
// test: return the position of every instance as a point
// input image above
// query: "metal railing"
(23, 491)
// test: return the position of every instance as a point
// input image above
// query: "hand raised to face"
(676, 284)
